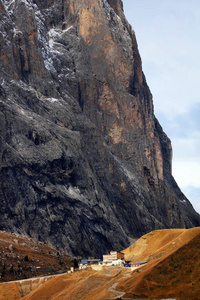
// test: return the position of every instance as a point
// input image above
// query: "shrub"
(26, 258)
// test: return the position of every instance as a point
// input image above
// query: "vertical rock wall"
(84, 164)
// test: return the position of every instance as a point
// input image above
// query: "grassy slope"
(159, 243)
(175, 274)
(172, 271)
(84, 285)
(9, 293)
(23, 257)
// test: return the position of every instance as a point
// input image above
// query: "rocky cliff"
(84, 164)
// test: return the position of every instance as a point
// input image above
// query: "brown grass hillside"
(22, 258)
(172, 271)
(81, 285)
(175, 276)
(159, 243)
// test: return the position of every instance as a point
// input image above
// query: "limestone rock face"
(84, 164)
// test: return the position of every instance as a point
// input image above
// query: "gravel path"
(112, 289)
(119, 295)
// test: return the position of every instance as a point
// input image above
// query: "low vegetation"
(173, 273)
(23, 258)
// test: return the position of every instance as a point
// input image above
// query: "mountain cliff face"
(85, 165)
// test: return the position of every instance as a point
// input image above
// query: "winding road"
(112, 289)
(119, 295)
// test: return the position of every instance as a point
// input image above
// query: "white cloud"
(187, 173)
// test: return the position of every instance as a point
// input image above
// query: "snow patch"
(3, 82)
(183, 201)
(43, 39)
(53, 33)
(52, 100)
(126, 172)
(24, 113)
(118, 28)
(56, 33)
(16, 32)
(68, 29)
(28, 3)
(74, 193)
(109, 10)
(7, 3)
(106, 5)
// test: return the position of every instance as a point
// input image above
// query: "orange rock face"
(117, 88)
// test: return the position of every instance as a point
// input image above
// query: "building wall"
(107, 257)
(114, 255)
(120, 255)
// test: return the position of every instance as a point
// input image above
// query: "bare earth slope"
(84, 164)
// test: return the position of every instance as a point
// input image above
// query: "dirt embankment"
(19, 289)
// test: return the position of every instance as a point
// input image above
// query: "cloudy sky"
(168, 36)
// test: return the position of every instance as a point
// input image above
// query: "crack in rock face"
(85, 165)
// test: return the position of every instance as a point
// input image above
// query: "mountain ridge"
(85, 165)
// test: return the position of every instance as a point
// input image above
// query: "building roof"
(139, 263)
